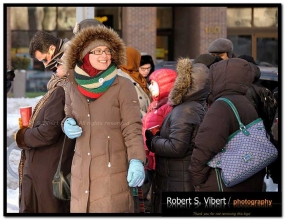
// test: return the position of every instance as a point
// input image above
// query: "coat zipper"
(109, 164)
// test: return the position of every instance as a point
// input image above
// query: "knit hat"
(97, 43)
(85, 23)
(207, 59)
(147, 59)
(221, 45)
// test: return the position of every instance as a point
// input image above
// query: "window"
(252, 17)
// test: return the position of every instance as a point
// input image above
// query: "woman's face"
(145, 69)
(153, 88)
(100, 57)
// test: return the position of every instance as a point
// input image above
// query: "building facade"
(165, 33)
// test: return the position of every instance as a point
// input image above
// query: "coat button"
(87, 100)
(88, 115)
(101, 81)
(88, 153)
(86, 191)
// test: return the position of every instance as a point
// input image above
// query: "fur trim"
(182, 82)
(192, 79)
(87, 37)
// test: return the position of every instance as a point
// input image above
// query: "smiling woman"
(113, 143)
(101, 58)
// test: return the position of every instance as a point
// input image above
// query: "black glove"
(149, 136)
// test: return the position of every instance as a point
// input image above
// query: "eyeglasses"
(144, 69)
(100, 52)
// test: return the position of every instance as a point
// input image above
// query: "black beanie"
(207, 59)
(145, 59)
(248, 58)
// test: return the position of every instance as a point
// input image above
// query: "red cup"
(154, 129)
(26, 113)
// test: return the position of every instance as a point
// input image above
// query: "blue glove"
(71, 129)
(136, 173)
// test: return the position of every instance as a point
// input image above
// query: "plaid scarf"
(93, 87)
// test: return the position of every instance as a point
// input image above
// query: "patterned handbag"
(247, 151)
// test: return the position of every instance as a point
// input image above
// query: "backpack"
(265, 104)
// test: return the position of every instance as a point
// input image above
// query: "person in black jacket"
(174, 144)
(261, 98)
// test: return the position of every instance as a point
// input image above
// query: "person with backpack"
(265, 105)
(274, 169)
(261, 98)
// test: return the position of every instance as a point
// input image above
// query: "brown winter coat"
(45, 141)
(230, 79)
(111, 136)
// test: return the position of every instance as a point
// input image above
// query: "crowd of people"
(102, 100)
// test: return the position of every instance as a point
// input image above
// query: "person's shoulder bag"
(247, 151)
(61, 183)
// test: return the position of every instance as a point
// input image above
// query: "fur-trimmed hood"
(192, 82)
(90, 37)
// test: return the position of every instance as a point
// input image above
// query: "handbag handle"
(241, 125)
(59, 164)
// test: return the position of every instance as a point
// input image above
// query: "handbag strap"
(241, 125)
(59, 163)
(219, 180)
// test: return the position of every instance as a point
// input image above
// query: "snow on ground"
(13, 114)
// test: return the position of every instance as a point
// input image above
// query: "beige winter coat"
(111, 137)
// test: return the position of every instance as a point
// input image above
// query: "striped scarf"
(94, 87)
